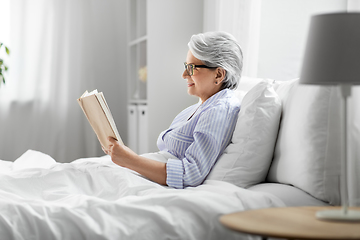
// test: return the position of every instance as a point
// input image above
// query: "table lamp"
(332, 57)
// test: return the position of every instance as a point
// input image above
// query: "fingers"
(112, 143)
(112, 140)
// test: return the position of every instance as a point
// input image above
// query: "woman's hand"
(125, 157)
(120, 154)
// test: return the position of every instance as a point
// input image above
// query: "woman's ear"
(220, 75)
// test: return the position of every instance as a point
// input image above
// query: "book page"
(86, 93)
(105, 107)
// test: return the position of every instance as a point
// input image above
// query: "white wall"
(283, 33)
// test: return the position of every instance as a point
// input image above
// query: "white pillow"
(246, 160)
(247, 83)
(307, 151)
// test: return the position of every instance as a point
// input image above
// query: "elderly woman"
(200, 133)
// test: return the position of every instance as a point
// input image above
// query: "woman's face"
(205, 82)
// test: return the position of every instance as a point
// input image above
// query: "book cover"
(99, 116)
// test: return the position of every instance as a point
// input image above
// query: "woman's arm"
(125, 157)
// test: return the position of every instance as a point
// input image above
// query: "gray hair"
(219, 49)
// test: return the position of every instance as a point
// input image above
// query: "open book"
(99, 116)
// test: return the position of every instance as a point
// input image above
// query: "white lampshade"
(332, 54)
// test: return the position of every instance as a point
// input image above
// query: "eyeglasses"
(190, 67)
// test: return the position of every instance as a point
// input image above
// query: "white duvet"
(93, 198)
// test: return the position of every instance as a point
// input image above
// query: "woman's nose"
(185, 74)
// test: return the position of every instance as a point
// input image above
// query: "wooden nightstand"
(291, 223)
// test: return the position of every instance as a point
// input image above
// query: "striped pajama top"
(197, 137)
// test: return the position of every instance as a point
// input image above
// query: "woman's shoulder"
(231, 97)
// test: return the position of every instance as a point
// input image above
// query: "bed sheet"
(93, 198)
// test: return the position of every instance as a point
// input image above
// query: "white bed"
(93, 198)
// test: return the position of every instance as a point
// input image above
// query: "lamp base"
(338, 215)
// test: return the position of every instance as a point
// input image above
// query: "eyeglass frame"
(193, 67)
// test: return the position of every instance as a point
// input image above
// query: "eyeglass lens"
(189, 68)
